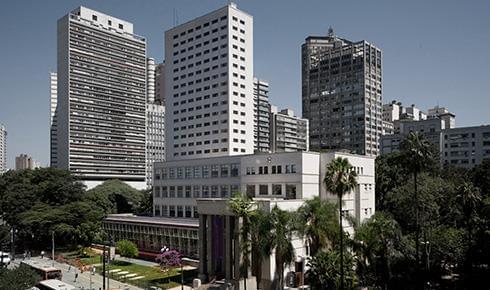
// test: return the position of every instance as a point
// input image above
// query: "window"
(188, 173)
(224, 191)
(214, 191)
(171, 192)
(197, 171)
(94, 17)
(157, 210)
(263, 189)
(156, 193)
(205, 171)
(164, 210)
(180, 211)
(188, 212)
(164, 191)
(197, 191)
(225, 169)
(279, 169)
(266, 169)
(234, 169)
(121, 26)
(273, 169)
(234, 189)
(179, 173)
(171, 173)
(205, 191)
(195, 213)
(251, 190)
(172, 210)
(276, 189)
(214, 171)
(188, 191)
(180, 191)
(290, 191)
(293, 168)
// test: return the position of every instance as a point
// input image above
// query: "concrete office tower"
(443, 114)
(160, 84)
(3, 149)
(155, 138)
(261, 116)
(288, 132)
(209, 86)
(101, 98)
(53, 123)
(342, 93)
(24, 161)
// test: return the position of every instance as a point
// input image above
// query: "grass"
(91, 260)
(153, 276)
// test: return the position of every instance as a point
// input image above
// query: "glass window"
(205, 191)
(156, 191)
(157, 174)
(214, 191)
(214, 171)
(279, 169)
(251, 190)
(291, 191)
(157, 210)
(263, 189)
(225, 169)
(276, 189)
(288, 170)
(273, 169)
(164, 210)
(197, 191)
(164, 173)
(188, 173)
(171, 173)
(172, 191)
(196, 214)
(172, 210)
(293, 168)
(179, 173)
(266, 169)
(224, 191)
(234, 189)
(188, 190)
(188, 211)
(164, 191)
(180, 191)
(205, 171)
(234, 169)
(197, 171)
(180, 211)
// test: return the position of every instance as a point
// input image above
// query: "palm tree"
(417, 155)
(340, 178)
(279, 239)
(317, 222)
(243, 207)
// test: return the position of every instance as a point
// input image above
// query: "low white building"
(199, 188)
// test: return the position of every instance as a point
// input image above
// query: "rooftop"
(161, 221)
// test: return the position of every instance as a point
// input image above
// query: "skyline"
(275, 49)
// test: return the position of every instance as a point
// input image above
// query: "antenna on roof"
(330, 32)
(175, 18)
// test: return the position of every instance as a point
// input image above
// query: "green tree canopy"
(116, 196)
(20, 278)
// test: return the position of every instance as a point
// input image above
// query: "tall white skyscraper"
(102, 84)
(53, 105)
(209, 86)
(3, 149)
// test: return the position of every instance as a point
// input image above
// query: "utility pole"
(52, 246)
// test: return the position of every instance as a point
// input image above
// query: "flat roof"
(57, 284)
(158, 221)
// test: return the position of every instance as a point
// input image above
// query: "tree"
(21, 277)
(127, 248)
(116, 196)
(418, 155)
(169, 260)
(242, 206)
(279, 241)
(340, 178)
(317, 222)
(325, 272)
(390, 173)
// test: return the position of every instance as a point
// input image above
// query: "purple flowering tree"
(169, 259)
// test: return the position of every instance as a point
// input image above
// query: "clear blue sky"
(434, 52)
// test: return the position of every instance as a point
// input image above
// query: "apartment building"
(288, 132)
(101, 98)
(53, 121)
(209, 86)
(342, 93)
(465, 146)
(262, 126)
(24, 161)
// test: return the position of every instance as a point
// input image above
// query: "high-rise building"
(102, 84)
(53, 124)
(209, 86)
(3, 149)
(24, 161)
(342, 93)
(160, 83)
(288, 132)
(261, 116)
(155, 138)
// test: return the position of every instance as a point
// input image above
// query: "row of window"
(275, 169)
(176, 211)
(206, 151)
(196, 191)
(206, 24)
(207, 142)
(197, 172)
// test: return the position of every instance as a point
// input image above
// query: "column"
(228, 251)
(202, 245)
(209, 245)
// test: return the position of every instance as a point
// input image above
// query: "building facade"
(465, 146)
(155, 138)
(101, 87)
(209, 86)
(160, 84)
(24, 161)
(342, 93)
(288, 132)
(3, 149)
(53, 121)
(262, 128)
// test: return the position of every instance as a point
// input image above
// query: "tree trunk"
(341, 245)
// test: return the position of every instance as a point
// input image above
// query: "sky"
(434, 52)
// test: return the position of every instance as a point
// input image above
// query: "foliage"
(324, 271)
(127, 249)
(317, 221)
(21, 277)
(169, 259)
(116, 196)
(145, 207)
(390, 173)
